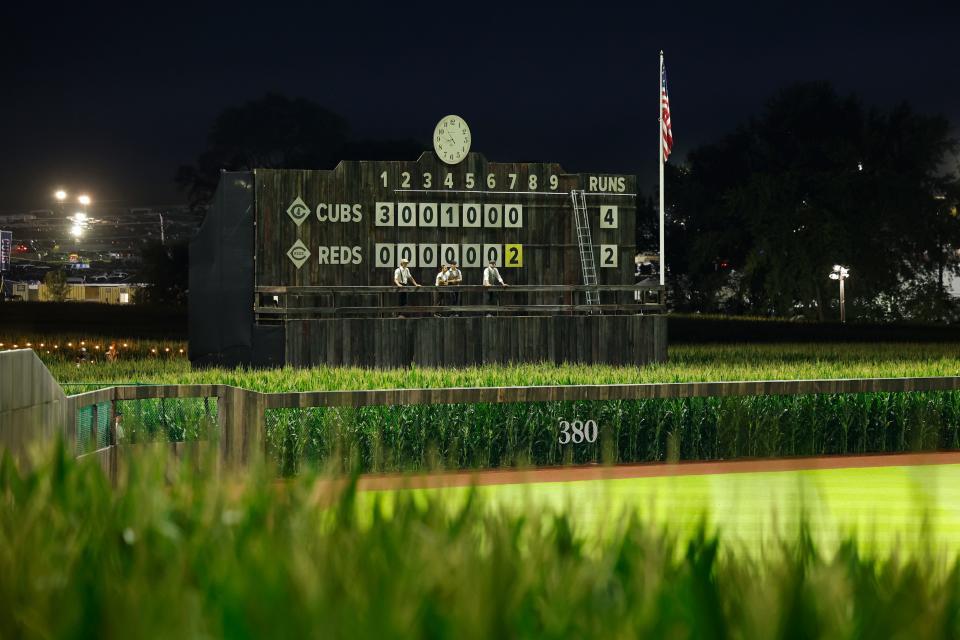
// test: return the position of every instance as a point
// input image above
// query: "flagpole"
(663, 264)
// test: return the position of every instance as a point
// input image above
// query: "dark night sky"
(113, 100)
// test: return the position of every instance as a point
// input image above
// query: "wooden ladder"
(587, 265)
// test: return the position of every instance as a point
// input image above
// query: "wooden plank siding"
(476, 340)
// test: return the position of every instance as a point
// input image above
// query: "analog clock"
(451, 139)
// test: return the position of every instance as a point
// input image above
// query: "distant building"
(103, 293)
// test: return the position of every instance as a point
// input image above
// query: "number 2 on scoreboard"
(513, 255)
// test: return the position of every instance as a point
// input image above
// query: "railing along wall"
(289, 302)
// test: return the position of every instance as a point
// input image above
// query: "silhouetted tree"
(272, 132)
(816, 179)
(280, 132)
(56, 282)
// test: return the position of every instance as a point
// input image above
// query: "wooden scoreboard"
(352, 225)
(296, 266)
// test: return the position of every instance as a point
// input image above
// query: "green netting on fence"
(84, 427)
(166, 419)
(103, 425)
(87, 417)
(459, 436)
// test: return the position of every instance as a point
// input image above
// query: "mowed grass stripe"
(900, 508)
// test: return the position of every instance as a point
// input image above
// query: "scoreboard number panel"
(493, 252)
(608, 217)
(427, 255)
(428, 214)
(471, 214)
(408, 251)
(449, 253)
(513, 216)
(608, 255)
(513, 255)
(449, 215)
(472, 255)
(406, 214)
(386, 254)
(385, 212)
(492, 215)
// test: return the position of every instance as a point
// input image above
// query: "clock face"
(451, 139)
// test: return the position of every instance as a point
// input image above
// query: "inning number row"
(430, 214)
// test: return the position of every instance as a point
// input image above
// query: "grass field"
(888, 510)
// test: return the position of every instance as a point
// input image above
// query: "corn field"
(179, 554)
(481, 436)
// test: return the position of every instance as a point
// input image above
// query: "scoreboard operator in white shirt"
(491, 276)
(402, 278)
(440, 298)
(454, 278)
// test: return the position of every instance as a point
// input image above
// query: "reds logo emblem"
(298, 253)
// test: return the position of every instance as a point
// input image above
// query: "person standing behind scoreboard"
(439, 298)
(491, 275)
(402, 278)
(455, 279)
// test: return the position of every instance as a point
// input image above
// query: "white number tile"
(406, 214)
(385, 254)
(472, 210)
(384, 214)
(471, 255)
(408, 251)
(493, 252)
(609, 255)
(493, 215)
(428, 255)
(449, 252)
(450, 215)
(428, 214)
(513, 215)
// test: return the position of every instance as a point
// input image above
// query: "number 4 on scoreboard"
(513, 255)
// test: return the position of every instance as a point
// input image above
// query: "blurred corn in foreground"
(175, 552)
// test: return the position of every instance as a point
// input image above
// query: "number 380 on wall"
(577, 431)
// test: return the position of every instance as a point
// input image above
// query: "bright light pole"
(841, 273)
(60, 195)
(84, 200)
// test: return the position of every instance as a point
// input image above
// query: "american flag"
(666, 133)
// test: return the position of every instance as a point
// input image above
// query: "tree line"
(757, 219)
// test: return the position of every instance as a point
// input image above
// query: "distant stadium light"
(84, 199)
(60, 195)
